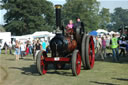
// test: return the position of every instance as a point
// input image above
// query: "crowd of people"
(119, 46)
(24, 48)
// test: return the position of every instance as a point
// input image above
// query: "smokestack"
(58, 16)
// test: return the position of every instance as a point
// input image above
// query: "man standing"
(80, 25)
(10, 47)
(103, 49)
(78, 32)
(34, 48)
(22, 48)
(114, 46)
(6, 47)
(38, 48)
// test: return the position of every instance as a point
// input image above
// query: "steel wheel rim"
(91, 52)
(78, 63)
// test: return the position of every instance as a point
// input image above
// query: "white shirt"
(122, 42)
(22, 47)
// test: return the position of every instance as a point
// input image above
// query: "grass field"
(24, 72)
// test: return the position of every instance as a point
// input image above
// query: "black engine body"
(59, 45)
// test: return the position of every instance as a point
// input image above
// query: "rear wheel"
(83, 48)
(40, 62)
(89, 52)
(76, 63)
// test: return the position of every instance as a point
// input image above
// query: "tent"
(93, 33)
(102, 31)
(43, 34)
(112, 32)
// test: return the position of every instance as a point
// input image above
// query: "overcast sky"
(111, 4)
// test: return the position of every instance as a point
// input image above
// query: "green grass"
(24, 72)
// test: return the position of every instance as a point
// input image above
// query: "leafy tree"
(104, 18)
(87, 10)
(2, 28)
(28, 16)
(119, 18)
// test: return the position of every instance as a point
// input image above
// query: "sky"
(111, 4)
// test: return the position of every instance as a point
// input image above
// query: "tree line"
(28, 16)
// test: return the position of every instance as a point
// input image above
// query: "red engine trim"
(57, 59)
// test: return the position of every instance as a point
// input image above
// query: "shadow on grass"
(20, 59)
(32, 70)
(63, 73)
(121, 79)
(96, 82)
(11, 59)
(123, 59)
(27, 59)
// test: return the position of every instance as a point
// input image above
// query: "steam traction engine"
(72, 47)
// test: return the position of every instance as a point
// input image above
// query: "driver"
(79, 24)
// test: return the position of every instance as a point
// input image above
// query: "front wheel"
(76, 63)
(40, 62)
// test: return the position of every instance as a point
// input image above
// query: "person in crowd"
(6, 47)
(127, 48)
(114, 45)
(44, 45)
(103, 52)
(38, 47)
(95, 41)
(96, 46)
(33, 48)
(107, 42)
(99, 47)
(22, 47)
(30, 48)
(17, 50)
(122, 43)
(10, 47)
(27, 49)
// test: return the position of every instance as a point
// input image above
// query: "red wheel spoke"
(43, 66)
(41, 63)
(78, 63)
(44, 70)
(92, 53)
